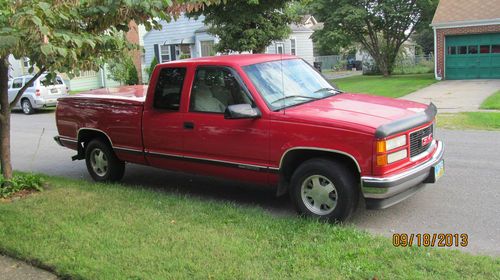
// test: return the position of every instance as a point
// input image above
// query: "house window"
(26, 62)
(164, 53)
(207, 48)
(279, 48)
(495, 49)
(484, 49)
(293, 44)
(462, 50)
(472, 49)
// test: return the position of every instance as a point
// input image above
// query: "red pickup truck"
(265, 119)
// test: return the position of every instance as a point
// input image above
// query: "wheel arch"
(294, 157)
(85, 135)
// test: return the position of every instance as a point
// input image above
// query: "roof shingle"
(466, 10)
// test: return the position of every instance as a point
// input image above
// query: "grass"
(394, 86)
(492, 102)
(71, 92)
(470, 120)
(95, 231)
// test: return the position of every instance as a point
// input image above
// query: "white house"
(187, 37)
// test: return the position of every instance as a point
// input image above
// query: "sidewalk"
(11, 269)
(456, 96)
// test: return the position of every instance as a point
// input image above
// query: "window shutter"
(157, 52)
(172, 52)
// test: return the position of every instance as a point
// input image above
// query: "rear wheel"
(324, 189)
(27, 107)
(102, 163)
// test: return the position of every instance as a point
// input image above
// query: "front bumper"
(383, 192)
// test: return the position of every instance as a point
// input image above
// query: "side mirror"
(241, 111)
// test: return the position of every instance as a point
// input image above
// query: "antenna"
(282, 82)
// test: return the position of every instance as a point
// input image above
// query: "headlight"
(391, 144)
(384, 148)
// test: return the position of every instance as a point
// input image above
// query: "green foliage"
(248, 25)
(380, 27)
(123, 71)
(492, 102)
(20, 182)
(152, 66)
(425, 39)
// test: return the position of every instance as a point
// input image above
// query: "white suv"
(41, 94)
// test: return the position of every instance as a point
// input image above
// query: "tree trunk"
(5, 119)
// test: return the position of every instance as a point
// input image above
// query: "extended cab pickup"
(263, 119)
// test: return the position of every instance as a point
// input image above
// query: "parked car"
(264, 119)
(43, 93)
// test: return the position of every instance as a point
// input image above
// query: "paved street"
(465, 200)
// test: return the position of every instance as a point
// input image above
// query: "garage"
(473, 56)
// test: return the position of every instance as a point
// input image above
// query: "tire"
(324, 189)
(102, 163)
(27, 107)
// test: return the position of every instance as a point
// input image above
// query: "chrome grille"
(416, 147)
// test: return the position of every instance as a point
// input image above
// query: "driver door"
(216, 146)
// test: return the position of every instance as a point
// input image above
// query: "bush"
(123, 71)
(20, 182)
(152, 66)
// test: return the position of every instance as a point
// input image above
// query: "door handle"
(188, 125)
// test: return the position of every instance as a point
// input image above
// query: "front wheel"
(324, 189)
(27, 107)
(102, 163)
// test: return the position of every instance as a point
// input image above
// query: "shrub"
(123, 71)
(152, 66)
(20, 182)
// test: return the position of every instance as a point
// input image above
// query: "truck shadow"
(208, 188)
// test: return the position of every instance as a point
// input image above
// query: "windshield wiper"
(329, 89)
(290, 96)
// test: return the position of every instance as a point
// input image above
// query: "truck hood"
(366, 112)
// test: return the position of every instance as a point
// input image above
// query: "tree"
(248, 25)
(69, 37)
(381, 27)
(425, 39)
(123, 71)
(151, 67)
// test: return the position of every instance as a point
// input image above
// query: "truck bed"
(116, 111)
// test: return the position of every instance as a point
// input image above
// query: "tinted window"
(495, 49)
(17, 83)
(169, 88)
(214, 88)
(484, 48)
(452, 50)
(462, 50)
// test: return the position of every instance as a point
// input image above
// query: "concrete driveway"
(456, 96)
(465, 200)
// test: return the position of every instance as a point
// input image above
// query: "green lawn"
(492, 102)
(470, 120)
(394, 86)
(95, 231)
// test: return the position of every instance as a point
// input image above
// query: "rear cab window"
(168, 90)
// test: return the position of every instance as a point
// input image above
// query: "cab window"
(168, 89)
(215, 88)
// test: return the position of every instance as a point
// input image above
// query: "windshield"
(290, 82)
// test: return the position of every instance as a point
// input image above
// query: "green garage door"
(473, 56)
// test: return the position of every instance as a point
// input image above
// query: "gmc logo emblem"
(427, 139)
